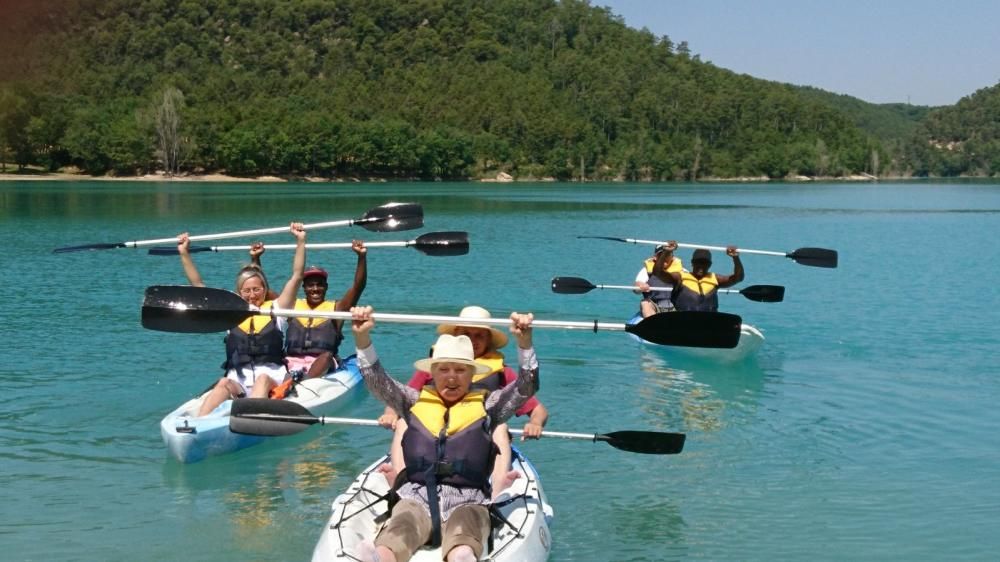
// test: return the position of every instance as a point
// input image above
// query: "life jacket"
(662, 299)
(256, 340)
(312, 336)
(693, 294)
(493, 380)
(443, 445)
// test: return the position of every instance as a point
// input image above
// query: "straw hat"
(475, 313)
(452, 349)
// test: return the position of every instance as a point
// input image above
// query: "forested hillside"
(397, 88)
(963, 139)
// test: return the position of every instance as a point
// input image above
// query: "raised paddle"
(261, 416)
(579, 286)
(384, 218)
(432, 244)
(187, 309)
(815, 257)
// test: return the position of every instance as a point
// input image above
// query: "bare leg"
(223, 390)
(647, 308)
(320, 366)
(262, 387)
(502, 476)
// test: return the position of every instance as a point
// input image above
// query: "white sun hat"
(474, 313)
(452, 349)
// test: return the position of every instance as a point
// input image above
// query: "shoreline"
(501, 178)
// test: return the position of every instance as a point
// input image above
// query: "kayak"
(191, 439)
(750, 341)
(524, 506)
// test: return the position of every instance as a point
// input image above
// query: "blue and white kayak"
(750, 341)
(356, 517)
(191, 439)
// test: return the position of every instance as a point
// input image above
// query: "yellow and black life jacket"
(256, 340)
(693, 294)
(493, 380)
(312, 336)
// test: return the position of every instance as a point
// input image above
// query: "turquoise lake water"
(866, 428)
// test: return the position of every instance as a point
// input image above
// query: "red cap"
(314, 271)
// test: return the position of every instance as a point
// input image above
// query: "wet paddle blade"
(764, 293)
(815, 257)
(646, 442)
(392, 217)
(571, 285)
(195, 310)
(690, 329)
(263, 416)
(84, 247)
(443, 243)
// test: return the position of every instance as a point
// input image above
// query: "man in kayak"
(486, 343)
(254, 349)
(655, 280)
(698, 290)
(448, 443)
(311, 344)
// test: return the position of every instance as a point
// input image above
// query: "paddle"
(815, 257)
(172, 308)
(432, 244)
(579, 286)
(261, 416)
(385, 218)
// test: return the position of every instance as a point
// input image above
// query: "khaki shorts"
(409, 528)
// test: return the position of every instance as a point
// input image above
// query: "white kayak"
(191, 439)
(750, 341)
(524, 506)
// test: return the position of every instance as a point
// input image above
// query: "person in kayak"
(698, 290)
(311, 344)
(448, 443)
(486, 343)
(254, 349)
(656, 273)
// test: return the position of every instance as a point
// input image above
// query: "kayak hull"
(191, 439)
(751, 339)
(523, 504)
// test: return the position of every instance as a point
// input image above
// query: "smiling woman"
(255, 348)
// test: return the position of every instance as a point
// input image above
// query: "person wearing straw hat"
(486, 343)
(254, 349)
(656, 274)
(448, 446)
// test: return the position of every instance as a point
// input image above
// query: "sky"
(925, 52)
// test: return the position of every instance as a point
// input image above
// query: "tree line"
(402, 88)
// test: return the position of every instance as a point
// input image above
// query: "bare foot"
(390, 473)
(507, 482)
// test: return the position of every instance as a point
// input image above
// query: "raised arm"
(287, 297)
(183, 245)
(502, 404)
(391, 392)
(737, 276)
(352, 294)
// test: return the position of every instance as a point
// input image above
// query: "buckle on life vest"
(444, 468)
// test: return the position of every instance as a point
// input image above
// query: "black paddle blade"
(263, 416)
(815, 257)
(392, 217)
(172, 250)
(764, 293)
(646, 442)
(604, 238)
(690, 329)
(193, 310)
(443, 243)
(571, 285)
(84, 247)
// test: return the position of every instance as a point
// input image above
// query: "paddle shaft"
(324, 420)
(434, 319)
(716, 248)
(237, 234)
(634, 288)
(319, 246)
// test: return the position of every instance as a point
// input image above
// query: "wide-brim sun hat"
(473, 313)
(452, 349)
